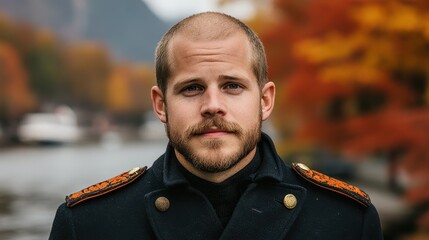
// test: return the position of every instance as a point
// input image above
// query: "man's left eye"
(192, 90)
(233, 88)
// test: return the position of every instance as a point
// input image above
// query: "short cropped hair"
(210, 26)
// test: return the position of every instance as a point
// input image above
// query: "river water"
(34, 180)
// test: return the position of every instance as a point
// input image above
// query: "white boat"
(57, 127)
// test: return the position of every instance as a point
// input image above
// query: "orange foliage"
(15, 95)
(354, 74)
(128, 89)
(88, 65)
(142, 79)
(118, 97)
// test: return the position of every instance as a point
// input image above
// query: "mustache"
(216, 122)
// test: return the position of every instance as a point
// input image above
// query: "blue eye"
(192, 90)
(233, 88)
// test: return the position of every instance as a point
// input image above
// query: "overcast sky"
(172, 10)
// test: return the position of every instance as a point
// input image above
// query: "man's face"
(212, 103)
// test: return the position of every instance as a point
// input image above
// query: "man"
(220, 177)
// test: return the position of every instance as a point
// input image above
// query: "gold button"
(303, 166)
(290, 201)
(162, 204)
(134, 170)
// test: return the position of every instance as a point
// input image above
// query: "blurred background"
(75, 78)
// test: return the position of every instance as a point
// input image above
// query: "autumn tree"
(40, 54)
(44, 63)
(353, 77)
(128, 91)
(87, 68)
(15, 95)
(141, 80)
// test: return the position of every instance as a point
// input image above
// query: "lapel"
(189, 216)
(261, 213)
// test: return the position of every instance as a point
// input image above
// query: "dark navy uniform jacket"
(130, 212)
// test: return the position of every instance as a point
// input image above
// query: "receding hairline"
(208, 26)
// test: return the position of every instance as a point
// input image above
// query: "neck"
(217, 177)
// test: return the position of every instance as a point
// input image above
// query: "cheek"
(179, 116)
(249, 108)
(247, 115)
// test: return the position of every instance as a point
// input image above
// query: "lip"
(213, 133)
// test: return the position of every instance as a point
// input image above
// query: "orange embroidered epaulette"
(105, 186)
(332, 184)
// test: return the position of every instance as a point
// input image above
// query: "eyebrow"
(178, 86)
(234, 78)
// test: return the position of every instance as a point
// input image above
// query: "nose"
(213, 104)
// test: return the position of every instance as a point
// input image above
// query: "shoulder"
(331, 184)
(105, 187)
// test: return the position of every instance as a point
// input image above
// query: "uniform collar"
(172, 174)
(271, 165)
(270, 168)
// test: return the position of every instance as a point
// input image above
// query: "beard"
(210, 158)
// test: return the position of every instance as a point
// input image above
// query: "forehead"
(184, 49)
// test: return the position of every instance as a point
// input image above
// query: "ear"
(267, 99)
(158, 103)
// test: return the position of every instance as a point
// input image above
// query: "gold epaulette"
(105, 186)
(332, 184)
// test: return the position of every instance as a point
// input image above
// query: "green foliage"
(44, 66)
